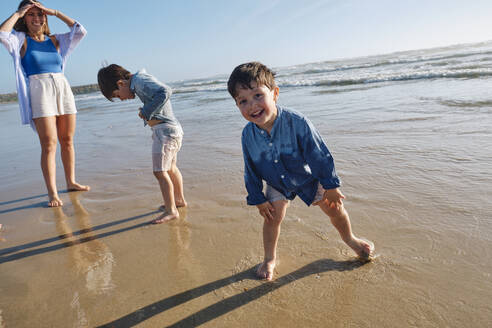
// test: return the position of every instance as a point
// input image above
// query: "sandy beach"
(414, 158)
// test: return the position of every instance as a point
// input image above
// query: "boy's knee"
(160, 174)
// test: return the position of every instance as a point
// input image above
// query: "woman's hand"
(50, 12)
(24, 9)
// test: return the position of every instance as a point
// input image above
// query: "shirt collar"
(275, 124)
(132, 80)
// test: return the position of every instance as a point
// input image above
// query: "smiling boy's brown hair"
(244, 74)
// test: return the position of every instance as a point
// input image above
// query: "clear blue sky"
(185, 39)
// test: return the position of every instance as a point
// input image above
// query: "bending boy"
(167, 134)
(284, 149)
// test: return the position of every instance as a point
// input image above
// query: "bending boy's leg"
(177, 179)
(46, 129)
(167, 190)
(271, 232)
(66, 129)
(341, 221)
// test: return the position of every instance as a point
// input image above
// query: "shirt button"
(282, 176)
(262, 132)
(270, 144)
(276, 161)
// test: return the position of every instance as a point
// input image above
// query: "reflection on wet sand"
(179, 253)
(91, 259)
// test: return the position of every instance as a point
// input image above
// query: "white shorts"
(273, 194)
(50, 95)
(164, 149)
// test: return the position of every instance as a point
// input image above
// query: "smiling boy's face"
(258, 104)
(123, 92)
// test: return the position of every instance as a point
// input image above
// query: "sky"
(187, 39)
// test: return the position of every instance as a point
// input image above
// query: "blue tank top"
(41, 57)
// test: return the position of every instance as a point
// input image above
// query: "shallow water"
(415, 159)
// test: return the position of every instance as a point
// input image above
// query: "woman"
(45, 98)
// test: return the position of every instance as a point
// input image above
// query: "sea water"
(411, 134)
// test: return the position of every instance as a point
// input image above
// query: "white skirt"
(50, 95)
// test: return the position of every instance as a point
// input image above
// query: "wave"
(380, 78)
(436, 61)
(467, 103)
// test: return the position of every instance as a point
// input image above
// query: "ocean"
(411, 134)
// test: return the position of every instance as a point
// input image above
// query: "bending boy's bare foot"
(162, 208)
(77, 187)
(165, 217)
(265, 270)
(54, 201)
(363, 248)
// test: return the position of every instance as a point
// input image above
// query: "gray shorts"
(273, 194)
(164, 149)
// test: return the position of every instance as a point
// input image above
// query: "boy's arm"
(318, 157)
(253, 183)
(160, 96)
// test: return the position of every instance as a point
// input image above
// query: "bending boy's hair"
(107, 78)
(246, 73)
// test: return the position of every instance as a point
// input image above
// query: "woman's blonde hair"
(20, 25)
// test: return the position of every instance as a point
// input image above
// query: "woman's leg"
(66, 129)
(47, 133)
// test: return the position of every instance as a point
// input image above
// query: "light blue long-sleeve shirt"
(293, 159)
(155, 96)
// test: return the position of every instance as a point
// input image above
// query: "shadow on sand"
(26, 250)
(231, 303)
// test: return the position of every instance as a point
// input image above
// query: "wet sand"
(97, 262)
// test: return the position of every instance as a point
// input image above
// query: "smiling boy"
(284, 149)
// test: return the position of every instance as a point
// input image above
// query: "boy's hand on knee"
(266, 210)
(334, 197)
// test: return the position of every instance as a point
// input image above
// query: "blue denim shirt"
(155, 97)
(293, 159)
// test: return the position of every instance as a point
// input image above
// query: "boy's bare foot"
(265, 270)
(162, 208)
(165, 217)
(362, 247)
(55, 201)
(77, 187)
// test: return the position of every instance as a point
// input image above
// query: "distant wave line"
(388, 62)
(400, 77)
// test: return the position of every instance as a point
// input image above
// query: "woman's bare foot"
(54, 201)
(77, 187)
(362, 247)
(265, 270)
(165, 217)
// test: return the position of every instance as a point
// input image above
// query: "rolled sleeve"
(319, 158)
(253, 183)
(159, 97)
